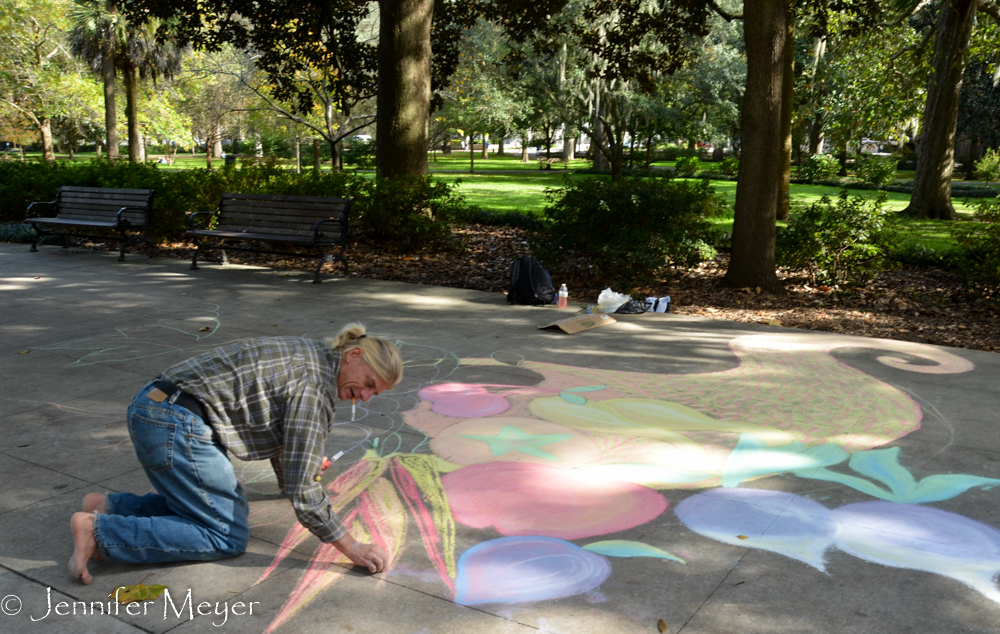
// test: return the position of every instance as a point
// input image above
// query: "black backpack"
(530, 283)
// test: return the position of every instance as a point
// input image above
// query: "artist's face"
(356, 379)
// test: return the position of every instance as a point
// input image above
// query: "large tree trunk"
(132, 114)
(758, 189)
(936, 152)
(786, 123)
(569, 148)
(524, 147)
(110, 112)
(45, 129)
(404, 86)
(816, 135)
(336, 152)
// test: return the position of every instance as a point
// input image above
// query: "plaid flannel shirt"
(273, 397)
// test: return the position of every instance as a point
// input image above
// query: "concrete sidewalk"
(716, 476)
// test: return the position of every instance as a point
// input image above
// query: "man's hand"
(370, 556)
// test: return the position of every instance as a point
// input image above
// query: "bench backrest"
(103, 203)
(284, 215)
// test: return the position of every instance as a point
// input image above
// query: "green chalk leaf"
(138, 592)
(587, 388)
(626, 548)
(573, 398)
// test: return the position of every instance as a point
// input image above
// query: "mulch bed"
(922, 305)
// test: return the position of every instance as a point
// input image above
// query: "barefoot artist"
(270, 397)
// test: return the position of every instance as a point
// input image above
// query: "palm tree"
(97, 34)
(108, 42)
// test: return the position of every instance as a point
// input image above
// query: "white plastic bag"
(609, 301)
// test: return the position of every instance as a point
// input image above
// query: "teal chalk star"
(513, 439)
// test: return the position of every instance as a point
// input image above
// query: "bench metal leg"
(194, 260)
(34, 240)
(322, 259)
(121, 253)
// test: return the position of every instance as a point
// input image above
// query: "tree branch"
(725, 15)
(916, 47)
(906, 14)
(989, 8)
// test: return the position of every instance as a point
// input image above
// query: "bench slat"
(100, 210)
(270, 205)
(72, 222)
(309, 219)
(262, 197)
(104, 190)
(87, 203)
(260, 237)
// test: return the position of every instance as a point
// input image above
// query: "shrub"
(515, 219)
(988, 167)
(360, 153)
(844, 244)
(407, 213)
(688, 165)
(628, 230)
(918, 255)
(729, 166)
(878, 171)
(979, 242)
(674, 152)
(819, 167)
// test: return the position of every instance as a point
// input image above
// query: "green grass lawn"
(526, 193)
(511, 161)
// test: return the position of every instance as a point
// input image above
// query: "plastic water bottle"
(563, 297)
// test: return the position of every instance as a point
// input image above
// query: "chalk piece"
(337, 456)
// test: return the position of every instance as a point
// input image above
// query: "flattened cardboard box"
(579, 323)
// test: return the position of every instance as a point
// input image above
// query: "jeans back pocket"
(153, 441)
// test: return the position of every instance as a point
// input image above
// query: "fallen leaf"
(26, 352)
(661, 625)
(204, 328)
(276, 325)
(138, 592)
(38, 278)
(774, 323)
(742, 537)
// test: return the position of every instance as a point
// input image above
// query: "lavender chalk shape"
(922, 538)
(524, 569)
(776, 521)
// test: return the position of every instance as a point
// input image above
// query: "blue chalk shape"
(524, 569)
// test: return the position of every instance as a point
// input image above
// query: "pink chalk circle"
(463, 400)
(508, 439)
(521, 498)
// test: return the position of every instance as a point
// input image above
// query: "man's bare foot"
(95, 503)
(84, 545)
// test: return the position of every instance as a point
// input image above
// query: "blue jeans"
(199, 512)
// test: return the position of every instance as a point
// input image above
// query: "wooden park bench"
(123, 211)
(306, 226)
(546, 163)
